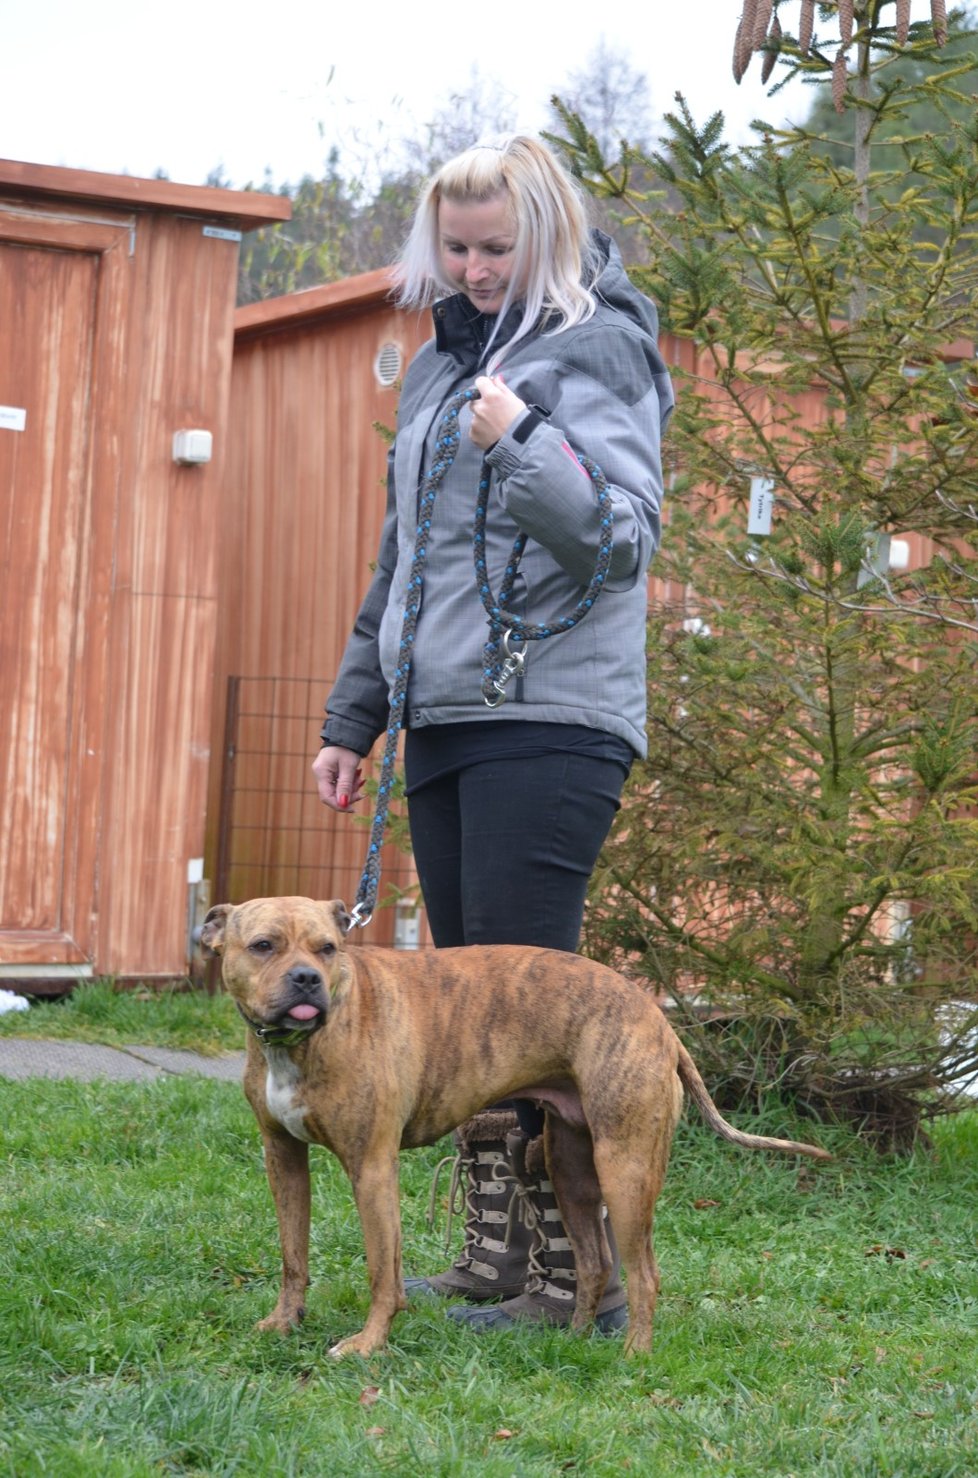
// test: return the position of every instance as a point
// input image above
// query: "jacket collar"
(463, 333)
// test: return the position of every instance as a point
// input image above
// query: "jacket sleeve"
(610, 400)
(358, 705)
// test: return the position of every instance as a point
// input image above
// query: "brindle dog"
(370, 1051)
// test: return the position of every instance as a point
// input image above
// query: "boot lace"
(466, 1197)
(540, 1275)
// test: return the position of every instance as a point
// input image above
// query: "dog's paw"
(279, 1322)
(356, 1344)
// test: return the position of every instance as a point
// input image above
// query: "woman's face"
(478, 242)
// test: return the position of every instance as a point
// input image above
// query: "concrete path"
(21, 1057)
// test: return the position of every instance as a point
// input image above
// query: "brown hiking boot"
(495, 1255)
(550, 1290)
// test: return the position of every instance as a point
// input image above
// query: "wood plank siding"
(116, 327)
(303, 508)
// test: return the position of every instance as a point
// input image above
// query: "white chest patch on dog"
(282, 1093)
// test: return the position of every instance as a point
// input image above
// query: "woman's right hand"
(338, 777)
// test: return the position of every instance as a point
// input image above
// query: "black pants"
(504, 850)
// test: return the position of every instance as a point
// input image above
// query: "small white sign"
(761, 505)
(221, 233)
(12, 418)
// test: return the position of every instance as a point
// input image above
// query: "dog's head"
(282, 960)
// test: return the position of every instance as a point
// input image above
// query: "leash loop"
(500, 663)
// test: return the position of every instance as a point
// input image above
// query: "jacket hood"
(463, 332)
(614, 287)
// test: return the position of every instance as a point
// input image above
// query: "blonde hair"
(553, 261)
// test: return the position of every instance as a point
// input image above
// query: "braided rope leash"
(446, 447)
(503, 625)
(500, 660)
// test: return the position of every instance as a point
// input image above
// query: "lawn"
(185, 1019)
(813, 1320)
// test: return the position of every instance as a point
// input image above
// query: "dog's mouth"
(289, 1026)
(305, 1011)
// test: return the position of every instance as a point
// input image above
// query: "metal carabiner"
(360, 917)
(513, 666)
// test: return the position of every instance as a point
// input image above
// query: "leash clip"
(513, 666)
(360, 917)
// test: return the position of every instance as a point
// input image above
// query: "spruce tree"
(795, 864)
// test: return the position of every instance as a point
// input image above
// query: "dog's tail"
(698, 1092)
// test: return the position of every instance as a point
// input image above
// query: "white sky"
(132, 86)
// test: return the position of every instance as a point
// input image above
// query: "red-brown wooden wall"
(116, 322)
(304, 504)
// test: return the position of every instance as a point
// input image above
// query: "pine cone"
(762, 19)
(738, 67)
(745, 36)
(845, 21)
(840, 77)
(902, 21)
(774, 46)
(806, 25)
(938, 14)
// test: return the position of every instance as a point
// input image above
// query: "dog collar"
(278, 1036)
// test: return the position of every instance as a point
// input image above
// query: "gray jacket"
(602, 389)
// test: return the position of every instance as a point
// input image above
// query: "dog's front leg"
(375, 1187)
(287, 1167)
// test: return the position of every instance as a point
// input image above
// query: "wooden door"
(62, 296)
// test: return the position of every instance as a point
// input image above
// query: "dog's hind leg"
(631, 1170)
(570, 1164)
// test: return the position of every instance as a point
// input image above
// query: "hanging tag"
(761, 505)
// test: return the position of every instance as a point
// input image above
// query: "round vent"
(387, 365)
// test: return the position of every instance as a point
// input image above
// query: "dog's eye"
(329, 948)
(261, 946)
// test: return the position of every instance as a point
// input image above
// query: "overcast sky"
(185, 86)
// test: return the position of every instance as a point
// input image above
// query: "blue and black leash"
(500, 661)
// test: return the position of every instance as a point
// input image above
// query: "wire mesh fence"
(275, 837)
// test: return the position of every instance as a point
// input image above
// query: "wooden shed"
(116, 328)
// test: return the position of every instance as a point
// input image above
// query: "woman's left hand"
(494, 412)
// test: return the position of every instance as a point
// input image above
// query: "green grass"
(98, 1012)
(813, 1320)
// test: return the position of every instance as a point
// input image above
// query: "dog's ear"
(211, 932)
(337, 911)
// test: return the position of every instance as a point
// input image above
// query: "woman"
(509, 805)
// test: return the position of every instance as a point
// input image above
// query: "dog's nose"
(303, 977)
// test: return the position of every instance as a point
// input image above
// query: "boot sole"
(423, 1287)
(612, 1321)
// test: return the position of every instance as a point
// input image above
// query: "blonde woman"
(509, 805)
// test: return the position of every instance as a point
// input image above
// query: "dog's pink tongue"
(303, 1013)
